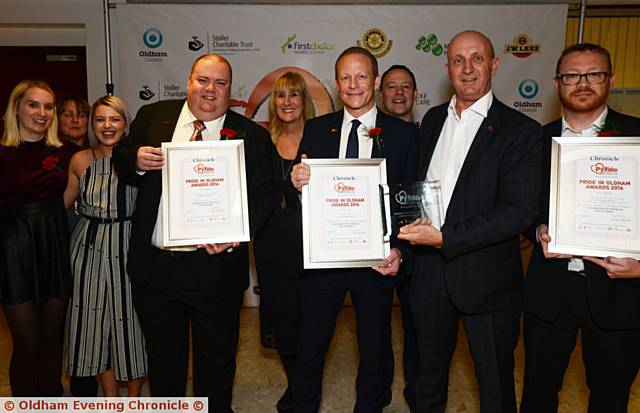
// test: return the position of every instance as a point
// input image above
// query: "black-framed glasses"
(594, 78)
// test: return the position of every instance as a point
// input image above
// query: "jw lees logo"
(522, 46)
(376, 41)
(343, 188)
(600, 169)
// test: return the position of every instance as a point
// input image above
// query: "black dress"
(34, 234)
(278, 253)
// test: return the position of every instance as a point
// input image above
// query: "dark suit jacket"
(495, 198)
(223, 274)
(614, 304)
(321, 139)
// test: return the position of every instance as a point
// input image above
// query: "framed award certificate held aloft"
(594, 200)
(204, 193)
(345, 214)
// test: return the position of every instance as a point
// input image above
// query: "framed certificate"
(204, 193)
(345, 213)
(594, 206)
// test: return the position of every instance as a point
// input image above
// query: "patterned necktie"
(352, 142)
(198, 127)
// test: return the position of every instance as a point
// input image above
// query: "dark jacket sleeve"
(126, 151)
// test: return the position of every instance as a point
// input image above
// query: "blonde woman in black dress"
(278, 245)
(35, 278)
(104, 336)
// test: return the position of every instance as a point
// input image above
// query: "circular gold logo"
(376, 41)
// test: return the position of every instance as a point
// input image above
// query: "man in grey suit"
(487, 159)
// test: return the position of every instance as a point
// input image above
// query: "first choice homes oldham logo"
(376, 41)
(152, 39)
(304, 47)
(522, 46)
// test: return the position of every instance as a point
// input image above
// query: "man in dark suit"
(202, 287)
(563, 293)
(486, 157)
(344, 134)
(397, 96)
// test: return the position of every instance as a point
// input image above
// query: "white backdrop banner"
(155, 45)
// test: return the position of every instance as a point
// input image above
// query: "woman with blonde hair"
(289, 107)
(104, 335)
(35, 275)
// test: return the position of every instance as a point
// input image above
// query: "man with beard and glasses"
(564, 294)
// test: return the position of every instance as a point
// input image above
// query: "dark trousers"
(611, 357)
(322, 296)
(409, 348)
(167, 306)
(492, 338)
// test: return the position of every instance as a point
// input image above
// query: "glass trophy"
(416, 200)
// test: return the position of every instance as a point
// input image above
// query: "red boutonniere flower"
(51, 162)
(227, 133)
(609, 130)
(376, 135)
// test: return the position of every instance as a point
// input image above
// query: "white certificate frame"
(214, 208)
(572, 234)
(322, 246)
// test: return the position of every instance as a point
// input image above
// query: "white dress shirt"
(453, 145)
(576, 264)
(182, 133)
(365, 143)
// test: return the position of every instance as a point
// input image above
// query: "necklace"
(283, 200)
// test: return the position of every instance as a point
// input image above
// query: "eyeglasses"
(593, 78)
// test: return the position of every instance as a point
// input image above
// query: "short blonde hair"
(289, 81)
(11, 135)
(114, 103)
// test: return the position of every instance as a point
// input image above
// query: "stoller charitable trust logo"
(528, 89)
(164, 91)
(522, 46)
(195, 44)
(146, 93)
(152, 39)
(376, 41)
(430, 44)
(306, 47)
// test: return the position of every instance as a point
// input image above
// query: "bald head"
(475, 36)
(471, 63)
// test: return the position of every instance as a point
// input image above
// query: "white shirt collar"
(186, 119)
(480, 106)
(595, 126)
(368, 120)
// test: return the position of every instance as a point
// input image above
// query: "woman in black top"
(278, 245)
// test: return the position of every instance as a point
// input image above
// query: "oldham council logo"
(376, 41)
(528, 88)
(522, 47)
(152, 38)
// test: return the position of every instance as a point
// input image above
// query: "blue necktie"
(352, 142)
